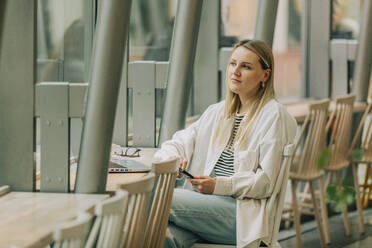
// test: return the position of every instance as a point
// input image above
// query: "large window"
(238, 20)
(60, 40)
(345, 19)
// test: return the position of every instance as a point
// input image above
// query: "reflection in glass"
(238, 21)
(345, 19)
(60, 41)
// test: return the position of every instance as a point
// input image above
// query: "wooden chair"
(274, 204)
(339, 125)
(139, 191)
(166, 173)
(73, 234)
(364, 132)
(109, 223)
(4, 190)
(304, 168)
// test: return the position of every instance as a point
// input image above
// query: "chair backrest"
(73, 234)
(314, 128)
(4, 190)
(139, 191)
(339, 125)
(108, 226)
(166, 173)
(365, 125)
(276, 201)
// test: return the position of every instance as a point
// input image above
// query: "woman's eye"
(233, 63)
(246, 66)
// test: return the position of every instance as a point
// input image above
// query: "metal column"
(2, 13)
(315, 38)
(363, 61)
(110, 40)
(182, 56)
(265, 23)
(17, 77)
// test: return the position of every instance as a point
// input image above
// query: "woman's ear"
(267, 74)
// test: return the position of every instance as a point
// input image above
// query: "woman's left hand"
(203, 184)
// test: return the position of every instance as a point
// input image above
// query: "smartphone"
(186, 173)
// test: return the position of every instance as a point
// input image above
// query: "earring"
(262, 85)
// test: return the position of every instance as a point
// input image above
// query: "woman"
(234, 152)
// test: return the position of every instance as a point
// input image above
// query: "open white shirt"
(256, 166)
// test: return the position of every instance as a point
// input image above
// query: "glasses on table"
(130, 152)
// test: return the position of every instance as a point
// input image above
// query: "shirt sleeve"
(181, 145)
(259, 181)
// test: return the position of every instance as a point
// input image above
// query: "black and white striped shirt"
(225, 164)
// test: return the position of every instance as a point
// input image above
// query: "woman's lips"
(235, 80)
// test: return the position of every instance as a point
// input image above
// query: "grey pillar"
(315, 48)
(182, 56)
(17, 79)
(363, 61)
(109, 47)
(265, 22)
(2, 13)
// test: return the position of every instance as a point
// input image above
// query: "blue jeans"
(195, 216)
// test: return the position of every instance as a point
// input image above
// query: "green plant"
(323, 158)
(339, 197)
(358, 154)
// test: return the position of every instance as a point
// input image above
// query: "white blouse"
(256, 166)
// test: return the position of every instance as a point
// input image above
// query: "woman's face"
(245, 73)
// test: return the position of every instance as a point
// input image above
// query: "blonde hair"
(232, 102)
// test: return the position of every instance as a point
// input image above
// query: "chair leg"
(365, 187)
(369, 188)
(296, 213)
(344, 211)
(317, 216)
(358, 200)
(324, 211)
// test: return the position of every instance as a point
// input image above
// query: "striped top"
(225, 164)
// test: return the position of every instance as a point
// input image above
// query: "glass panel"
(238, 20)
(151, 28)
(287, 50)
(60, 41)
(345, 19)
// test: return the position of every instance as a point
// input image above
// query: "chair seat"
(300, 175)
(365, 159)
(337, 165)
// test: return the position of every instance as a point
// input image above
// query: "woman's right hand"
(183, 164)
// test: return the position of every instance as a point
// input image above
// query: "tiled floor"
(310, 235)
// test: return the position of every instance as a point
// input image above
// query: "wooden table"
(114, 179)
(300, 109)
(27, 219)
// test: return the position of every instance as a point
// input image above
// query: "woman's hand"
(183, 164)
(203, 184)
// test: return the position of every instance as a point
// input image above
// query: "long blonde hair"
(232, 102)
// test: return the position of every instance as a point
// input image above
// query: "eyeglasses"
(127, 152)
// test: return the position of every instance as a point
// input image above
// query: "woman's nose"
(236, 71)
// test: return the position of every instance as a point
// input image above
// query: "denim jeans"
(195, 216)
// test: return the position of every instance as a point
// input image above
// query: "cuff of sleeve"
(162, 155)
(223, 186)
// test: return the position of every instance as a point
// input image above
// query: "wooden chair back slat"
(158, 219)
(340, 127)
(313, 134)
(139, 197)
(73, 234)
(108, 225)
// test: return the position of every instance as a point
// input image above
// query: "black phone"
(186, 173)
